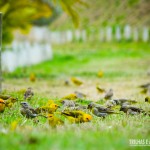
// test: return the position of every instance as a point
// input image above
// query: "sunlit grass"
(125, 66)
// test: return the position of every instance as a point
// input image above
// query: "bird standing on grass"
(71, 96)
(54, 121)
(76, 81)
(109, 94)
(99, 114)
(80, 95)
(2, 105)
(147, 99)
(145, 88)
(32, 77)
(66, 82)
(100, 110)
(28, 94)
(4, 97)
(119, 102)
(10, 101)
(68, 103)
(27, 111)
(100, 90)
(132, 110)
(77, 116)
(50, 108)
(100, 74)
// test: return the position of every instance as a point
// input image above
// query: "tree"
(23, 14)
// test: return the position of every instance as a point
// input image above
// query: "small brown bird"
(131, 109)
(68, 103)
(66, 82)
(100, 108)
(147, 99)
(80, 95)
(132, 112)
(28, 94)
(145, 85)
(109, 94)
(120, 102)
(99, 114)
(145, 88)
(27, 111)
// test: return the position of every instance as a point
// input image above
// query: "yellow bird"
(32, 77)
(100, 90)
(54, 121)
(100, 74)
(76, 81)
(72, 96)
(2, 105)
(47, 108)
(10, 101)
(50, 102)
(147, 99)
(77, 116)
(4, 97)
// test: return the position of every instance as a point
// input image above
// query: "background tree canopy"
(25, 13)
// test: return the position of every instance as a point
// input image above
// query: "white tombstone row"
(101, 35)
(125, 33)
(118, 33)
(31, 50)
(108, 34)
(83, 35)
(145, 35)
(135, 34)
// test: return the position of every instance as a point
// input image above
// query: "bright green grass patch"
(78, 59)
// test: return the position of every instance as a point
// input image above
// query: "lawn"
(125, 67)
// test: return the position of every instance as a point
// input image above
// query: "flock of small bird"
(71, 107)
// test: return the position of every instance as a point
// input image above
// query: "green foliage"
(23, 14)
(20, 14)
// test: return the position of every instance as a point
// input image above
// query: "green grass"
(125, 66)
(87, 59)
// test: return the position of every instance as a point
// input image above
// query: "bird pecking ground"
(125, 67)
